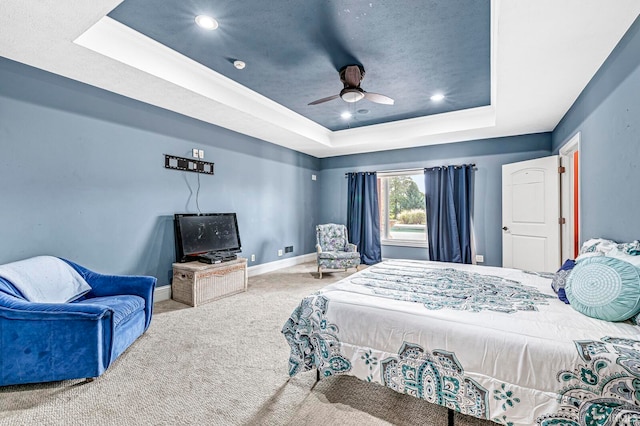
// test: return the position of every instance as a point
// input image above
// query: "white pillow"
(45, 279)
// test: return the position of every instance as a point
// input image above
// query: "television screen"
(198, 234)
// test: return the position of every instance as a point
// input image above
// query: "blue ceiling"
(293, 49)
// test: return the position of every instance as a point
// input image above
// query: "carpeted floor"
(223, 363)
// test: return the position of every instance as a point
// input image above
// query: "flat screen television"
(206, 234)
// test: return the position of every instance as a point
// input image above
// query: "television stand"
(195, 283)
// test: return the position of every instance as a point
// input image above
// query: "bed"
(493, 343)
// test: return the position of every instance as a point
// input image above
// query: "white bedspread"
(494, 343)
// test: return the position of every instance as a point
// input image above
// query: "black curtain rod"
(473, 165)
(347, 174)
(457, 166)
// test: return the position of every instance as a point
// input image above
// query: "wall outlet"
(314, 177)
(253, 257)
(196, 153)
(279, 252)
(201, 153)
(479, 258)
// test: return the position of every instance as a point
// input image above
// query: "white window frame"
(384, 210)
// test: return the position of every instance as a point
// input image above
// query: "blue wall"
(81, 173)
(82, 176)
(489, 155)
(607, 115)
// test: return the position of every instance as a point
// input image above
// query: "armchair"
(334, 249)
(42, 342)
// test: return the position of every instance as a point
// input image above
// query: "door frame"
(567, 186)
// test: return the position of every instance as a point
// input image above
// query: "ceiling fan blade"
(328, 98)
(378, 98)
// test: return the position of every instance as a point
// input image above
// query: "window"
(403, 217)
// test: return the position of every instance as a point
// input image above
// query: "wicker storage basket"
(195, 283)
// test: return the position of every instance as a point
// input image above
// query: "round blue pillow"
(605, 288)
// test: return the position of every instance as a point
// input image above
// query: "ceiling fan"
(351, 76)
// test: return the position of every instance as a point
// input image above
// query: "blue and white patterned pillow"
(560, 279)
(629, 252)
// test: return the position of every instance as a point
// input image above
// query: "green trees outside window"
(402, 210)
(405, 197)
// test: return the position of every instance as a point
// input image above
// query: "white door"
(530, 215)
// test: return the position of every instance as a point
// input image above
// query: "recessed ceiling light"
(206, 22)
(363, 111)
(438, 97)
(239, 64)
(346, 115)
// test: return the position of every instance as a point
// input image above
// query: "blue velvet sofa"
(42, 342)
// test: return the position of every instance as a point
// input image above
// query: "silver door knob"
(504, 228)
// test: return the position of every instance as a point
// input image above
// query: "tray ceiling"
(540, 56)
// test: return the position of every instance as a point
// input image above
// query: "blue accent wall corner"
(607, 117)
(83, 178)
(489, 155)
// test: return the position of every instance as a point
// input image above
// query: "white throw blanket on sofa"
(45, 279)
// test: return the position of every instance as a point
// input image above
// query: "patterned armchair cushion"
(338, 263)
(339, 255)
(331, 237)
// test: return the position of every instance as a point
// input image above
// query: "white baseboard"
(279, 264)
(164, 292)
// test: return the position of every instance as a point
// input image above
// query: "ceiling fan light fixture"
(351, 96)
(206, 22)
(351, 76)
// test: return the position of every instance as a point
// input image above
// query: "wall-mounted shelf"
(187, 164)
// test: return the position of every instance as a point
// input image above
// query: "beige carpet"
(223, 363)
